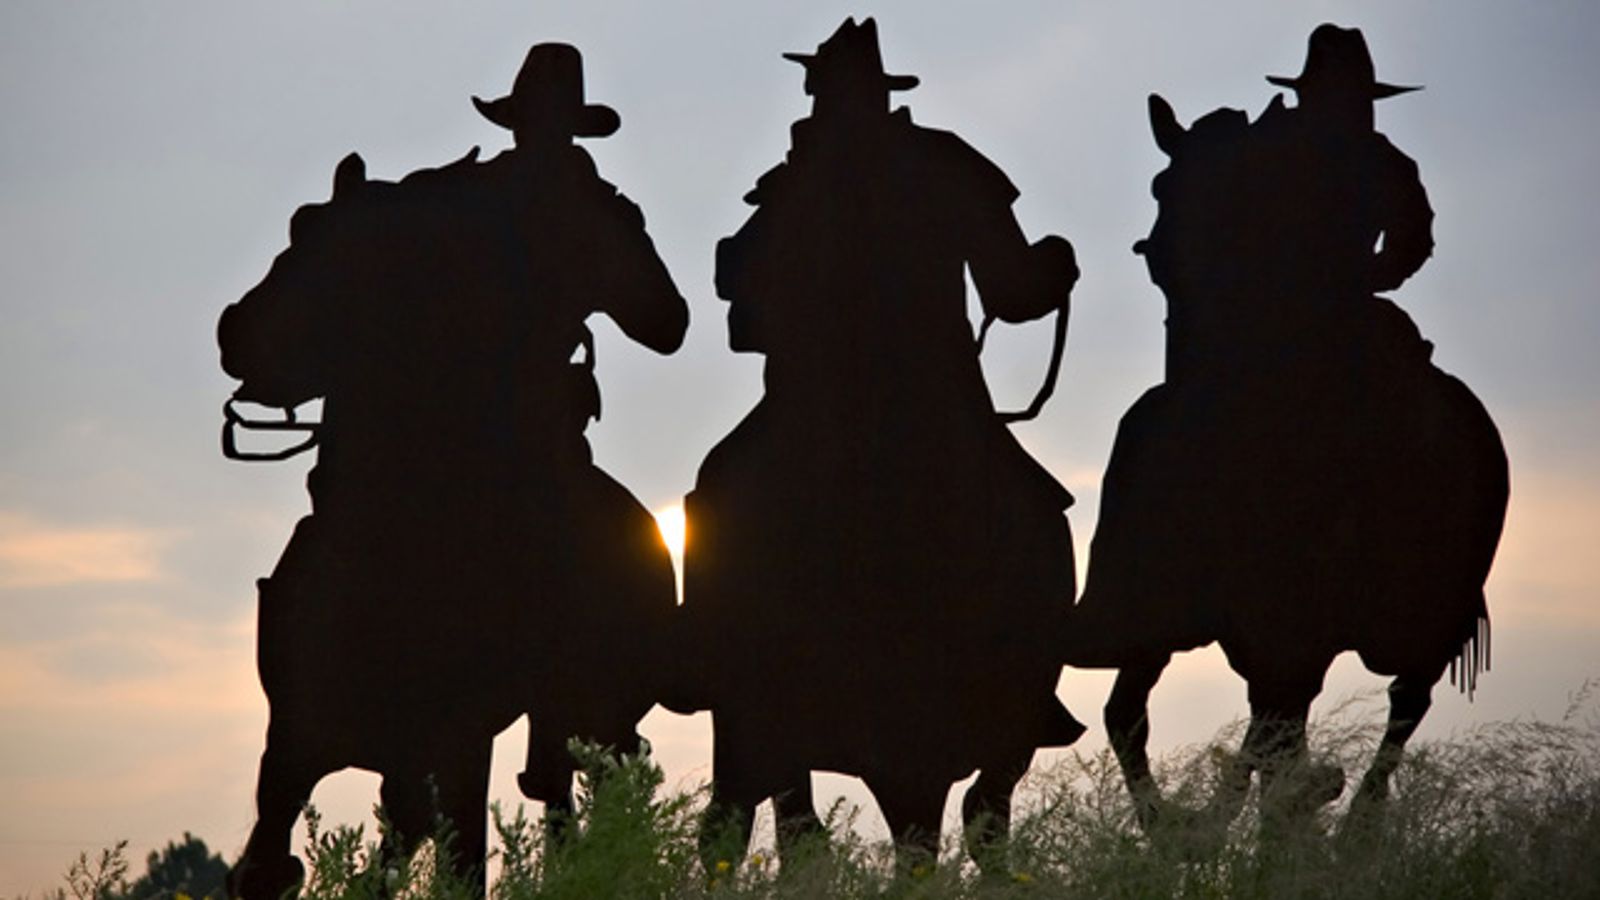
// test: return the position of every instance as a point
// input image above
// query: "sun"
(674, 528)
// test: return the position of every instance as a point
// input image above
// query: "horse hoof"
(271, 879)
(1302, 791)
(1191, 834)
(1374, 791)
(1150, 812)
(1365, 818)
(1324, 784)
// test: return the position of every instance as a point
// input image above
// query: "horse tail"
(1472, 658)
(1491, 476)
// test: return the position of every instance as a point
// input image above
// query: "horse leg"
(725, 827)
(1409, 700)
(913, 812)
(1233, 783)
(561, 815)
(547, 778)
(986, 811)
(449, 802)
(267, 869)
(1127, 718)
(795, 811)
(407, 808)
(735, 791)
(560, 819)
(1275, 745)
(463, 796)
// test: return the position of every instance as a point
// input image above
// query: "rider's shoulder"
(1381, 145)
(928, 139)
(576, 168)
(579, 163)
(956, 162)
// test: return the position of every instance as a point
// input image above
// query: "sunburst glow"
(674, 528)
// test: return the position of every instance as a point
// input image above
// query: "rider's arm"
(633, 285)
(1016, 281)
(1406, 219)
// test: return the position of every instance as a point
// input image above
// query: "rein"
(1057, 351)
(233, 421)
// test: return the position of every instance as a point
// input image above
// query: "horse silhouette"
(1305, 481)
(465, 562)
(874, 562)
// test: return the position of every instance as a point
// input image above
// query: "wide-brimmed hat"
(853, 50)
(548, 94)
(1338, 59)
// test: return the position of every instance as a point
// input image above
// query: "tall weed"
(1506, 810)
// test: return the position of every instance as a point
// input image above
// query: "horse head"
(1216, 249)
(276, 338)
(1195, 241)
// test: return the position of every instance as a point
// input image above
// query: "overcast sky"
(152, 153)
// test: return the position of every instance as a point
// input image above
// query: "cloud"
(34, 555)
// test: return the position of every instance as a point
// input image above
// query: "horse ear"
(1164, 125)
(350, 173)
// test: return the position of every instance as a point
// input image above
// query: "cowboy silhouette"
(1305, 482)
(465, 561)
(1373, 193)
(874, 560)
(1323, 213)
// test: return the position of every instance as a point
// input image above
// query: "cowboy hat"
(548, 94)
(853, 48)
(1338, 59)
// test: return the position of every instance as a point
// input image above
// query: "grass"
(1506, 810)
